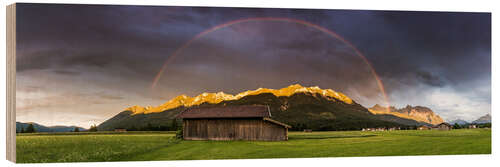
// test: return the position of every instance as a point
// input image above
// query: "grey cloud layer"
(127, 45)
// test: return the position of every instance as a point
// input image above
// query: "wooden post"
(184, 129)
(286, 134)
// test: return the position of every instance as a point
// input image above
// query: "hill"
(42, 128)
(300, 107)
(417, 113)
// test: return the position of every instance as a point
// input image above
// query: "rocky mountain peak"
(215, 98)
(417, 113)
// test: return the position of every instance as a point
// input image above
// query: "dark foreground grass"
(154, 146)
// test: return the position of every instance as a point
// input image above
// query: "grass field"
(162, 146)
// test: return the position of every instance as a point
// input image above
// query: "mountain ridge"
(417, 113)
(214, 98)
(458, 121)
(43, 128)
(483, 119)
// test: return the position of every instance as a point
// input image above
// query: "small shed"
(472, 126)
(120, 130)
(245, 122)
(443, 126)
(423, 127)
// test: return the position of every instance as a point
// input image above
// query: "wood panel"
(11, 83)
(232, 129)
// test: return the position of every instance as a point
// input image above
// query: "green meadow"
(142, 146)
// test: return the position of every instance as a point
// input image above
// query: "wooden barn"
(443, 126)
(247, 122)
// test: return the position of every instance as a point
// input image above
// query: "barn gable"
(245, 111)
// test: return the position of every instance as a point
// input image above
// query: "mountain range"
(417, 113)
(458, 121)
(481, 120)
(301, 107)
(214, 98)
(42, 128)
(484, 119)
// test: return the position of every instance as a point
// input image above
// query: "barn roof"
(243, 111)
(444, 123)
(277, 122)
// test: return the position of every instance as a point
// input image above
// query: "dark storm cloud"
(413, 52)
(401, 44)
(62, 58)
(90, 35)
(430, 79)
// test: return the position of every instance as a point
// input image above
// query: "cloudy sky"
(82, 64)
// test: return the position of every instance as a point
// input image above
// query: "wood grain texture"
(11, 83)
(233, 129)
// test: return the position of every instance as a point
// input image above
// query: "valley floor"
(162, 146)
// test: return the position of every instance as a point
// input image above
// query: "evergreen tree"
(93, 128)
(76, 129)
(457, 126)
(30, 129)
(22, 130)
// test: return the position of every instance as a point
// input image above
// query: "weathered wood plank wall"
(233, 129)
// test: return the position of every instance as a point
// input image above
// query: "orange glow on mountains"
(215, 98)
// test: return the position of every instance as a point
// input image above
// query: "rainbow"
(272, 19)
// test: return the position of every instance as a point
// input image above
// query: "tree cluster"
(150, 127)
(93, 128)
(29, 129)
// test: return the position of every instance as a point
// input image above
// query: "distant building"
(394, 128)
(424, 127)
(308, 130)
(120, 130)
(248, 122)
(373, 129)
(443, 126)
(472, 126)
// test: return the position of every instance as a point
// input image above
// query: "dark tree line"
(464, 126)
(29, 129)
(150, 127)
(344, 126)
